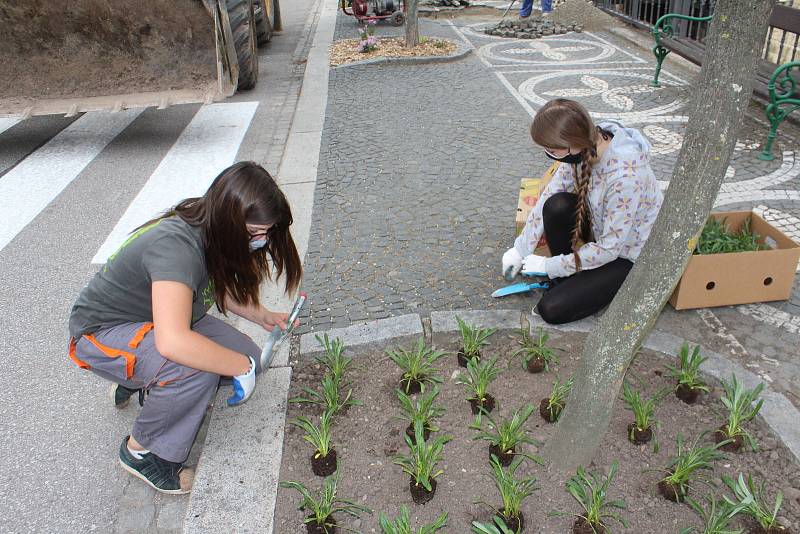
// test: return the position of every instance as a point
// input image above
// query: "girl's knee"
(552, 311)
(559, 205)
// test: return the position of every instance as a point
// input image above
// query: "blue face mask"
(258, 244)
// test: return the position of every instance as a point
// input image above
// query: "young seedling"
(686, 467)
(321, 507)
(333, 358)
(536, 355)
(401, 525)
(591, 492)
(421, 410)
(499, 527)
(329, 397)
(473, 339)
(716, 517)
(689, 385)
(323, 461)
(417, 366)
(754, 502)
(739, 402)
(550, 407)
(513, 491)
(505, 436)
(420, 464)
(480, 373)
(641, 430)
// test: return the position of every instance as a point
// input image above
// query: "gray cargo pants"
(174, 409)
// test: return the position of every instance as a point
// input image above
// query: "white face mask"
(257, 244)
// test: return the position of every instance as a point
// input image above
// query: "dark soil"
(505, 457)
(328, 528)
(670, 491)
(687, 394)
(369, 436)
(581, 526)
(544, 411)
(639, 436)
(462, 358)
(410, 386)
(418, 492)
(487, 404)
(772, 530)
(324, 465)
(536, 365)
(515, 524)
(733, 446)
(426, 433)
(104, 47)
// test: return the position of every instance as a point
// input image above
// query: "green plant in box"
(716, 517)
(753, 499)
(687, 374)
(401, 525)
(417, 365)
(322, 506)
(422, 410)
(333, 358)
(536, 355)
(319, 436)
(686, 465)
(739, 402)
(505, 436)
(329, 397)
(591, 492)
(716, 238)
(498, 527)
(479, 374)
(473, 339)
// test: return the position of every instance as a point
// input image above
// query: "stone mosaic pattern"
(420, 164)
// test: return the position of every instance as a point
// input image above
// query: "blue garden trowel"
(522, 287)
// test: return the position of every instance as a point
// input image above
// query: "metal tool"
(522, 287)
(508, 8)
(277, 335)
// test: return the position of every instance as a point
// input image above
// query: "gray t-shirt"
(121, 292)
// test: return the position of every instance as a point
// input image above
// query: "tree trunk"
(715, 116)
(412, 24)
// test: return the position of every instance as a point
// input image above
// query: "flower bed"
(369, 437)
(347, 50)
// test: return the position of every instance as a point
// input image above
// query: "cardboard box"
(740, 277)
(529, 191)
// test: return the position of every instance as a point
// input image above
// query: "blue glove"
(243, 385)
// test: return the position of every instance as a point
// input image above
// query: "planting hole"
(710, 286)
(767, 280)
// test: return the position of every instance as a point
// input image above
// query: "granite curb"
(777, 411)
(462, 51)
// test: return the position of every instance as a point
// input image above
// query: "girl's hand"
(269, 320)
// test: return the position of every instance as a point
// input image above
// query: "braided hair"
(565, 124)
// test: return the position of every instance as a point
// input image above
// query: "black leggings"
(585, 292)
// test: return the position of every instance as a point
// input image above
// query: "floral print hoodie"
(624, 199)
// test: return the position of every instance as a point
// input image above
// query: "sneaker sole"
(112, 392)
(141, 477)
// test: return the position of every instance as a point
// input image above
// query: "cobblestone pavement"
(420, 165)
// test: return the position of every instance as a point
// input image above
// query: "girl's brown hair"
(564, 124)
(242, 194)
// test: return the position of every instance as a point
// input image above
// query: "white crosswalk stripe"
(207, 145)
(30, 186)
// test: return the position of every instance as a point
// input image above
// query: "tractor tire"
(243, 26)
(263, 23)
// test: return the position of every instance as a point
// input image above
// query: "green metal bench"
(778, 85)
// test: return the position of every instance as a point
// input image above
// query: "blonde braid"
(583, 181)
